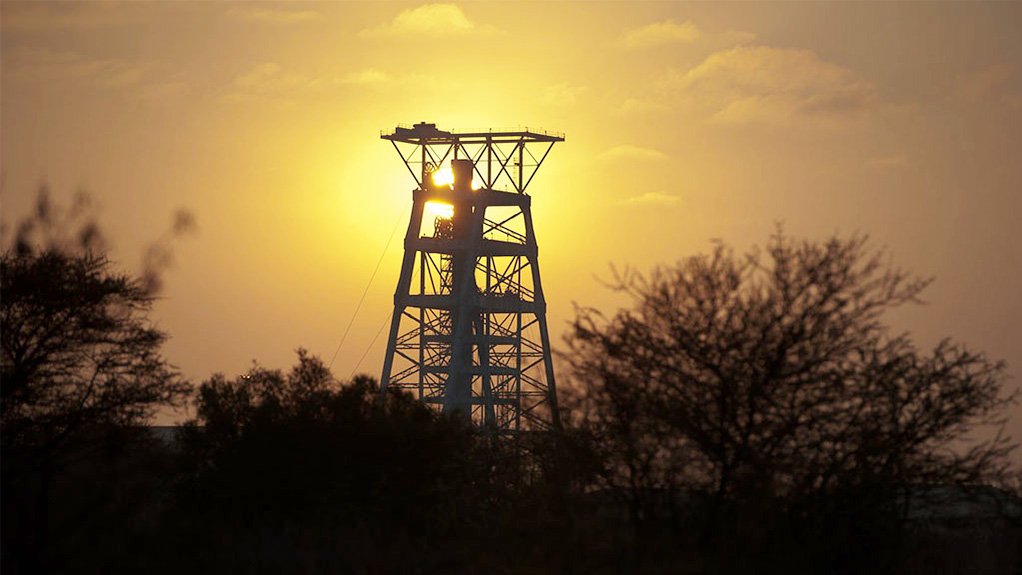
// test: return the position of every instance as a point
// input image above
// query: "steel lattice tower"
(469, 333)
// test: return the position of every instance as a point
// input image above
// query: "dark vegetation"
(746, 414)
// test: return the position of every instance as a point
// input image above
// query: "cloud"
(652, 199)
(995, 85)
(273, 15)
(731, 38)
(890, 162)
(427, 20)
(629, 152)
(270, 79)
(64, 15)
(659, 34)
(668, 32)
(640, 105)
(562, 95)
(367, 77)
(77, 72)
(167, 90)
(760, 84)
(43, 66)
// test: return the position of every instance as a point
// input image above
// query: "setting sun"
(437, 210)
(443, 176)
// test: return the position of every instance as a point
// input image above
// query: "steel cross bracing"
(502, 160)
(469, 333)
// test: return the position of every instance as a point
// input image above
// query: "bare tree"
(77, 348)
(771, 377)
(80, 363)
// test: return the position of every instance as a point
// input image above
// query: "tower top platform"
(427, 133)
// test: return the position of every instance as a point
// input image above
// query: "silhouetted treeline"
(747, 414)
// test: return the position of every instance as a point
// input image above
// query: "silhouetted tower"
(469, 332)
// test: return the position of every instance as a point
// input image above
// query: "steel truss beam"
(502, 160)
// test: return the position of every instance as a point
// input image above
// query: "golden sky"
(684, 123)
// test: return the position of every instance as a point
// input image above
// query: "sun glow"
(444, 176)
(437, 210)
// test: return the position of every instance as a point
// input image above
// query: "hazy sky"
(684, 123)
